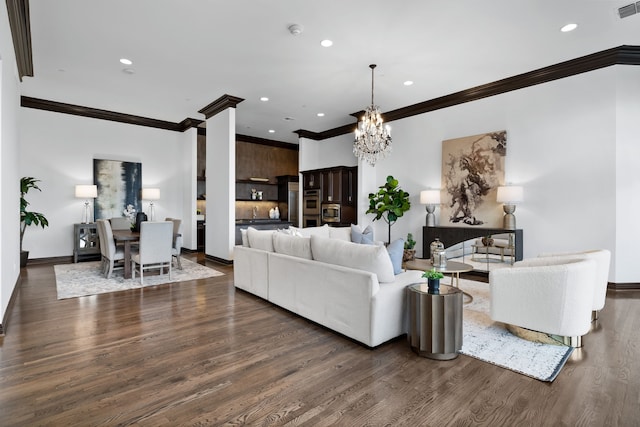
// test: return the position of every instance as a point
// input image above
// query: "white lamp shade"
(430, 197)
(86, 191)
(150, 194)
(509, 194)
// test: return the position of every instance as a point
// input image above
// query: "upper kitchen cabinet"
(311, 180)
(331, 185)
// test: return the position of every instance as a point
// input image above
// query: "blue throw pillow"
(362, 236)
(396, 250)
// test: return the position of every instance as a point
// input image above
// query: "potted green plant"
(389, 203)
(433, 280)
(409, 248)
(28, 218)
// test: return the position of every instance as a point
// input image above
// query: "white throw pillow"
(292, 245)
(372, 258)
(260, 239)
(341, 233)
(308, 231)
(359, 235)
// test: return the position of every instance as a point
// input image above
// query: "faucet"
(255, 212)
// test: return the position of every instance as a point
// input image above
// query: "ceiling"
(188, 53)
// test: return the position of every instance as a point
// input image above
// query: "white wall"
(562, 144)
(627, 177)
(9, 177)
(59, 150)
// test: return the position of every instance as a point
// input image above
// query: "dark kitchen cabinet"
(331, 185)
(311, 180)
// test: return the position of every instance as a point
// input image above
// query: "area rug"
(86, 278)
(489, 341)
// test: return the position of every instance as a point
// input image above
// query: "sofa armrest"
(250, 270)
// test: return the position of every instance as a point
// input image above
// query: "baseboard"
(218, 260)
(51, 260)
(12, 300)
(624, 286)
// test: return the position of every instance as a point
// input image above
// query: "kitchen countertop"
(260, 221)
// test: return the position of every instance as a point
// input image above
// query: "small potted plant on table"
(433, 280)
(409, 249)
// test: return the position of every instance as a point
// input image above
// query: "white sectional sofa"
(348, 287)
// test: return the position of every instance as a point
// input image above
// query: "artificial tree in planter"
(389, 203)
(28, 218)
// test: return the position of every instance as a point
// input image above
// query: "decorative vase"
(487, 241)
(433, 286)
(408, 255)
(433, 247)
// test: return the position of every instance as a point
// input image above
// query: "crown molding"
(622, 55)
(18, 11)
(95, 113)
(220, 104)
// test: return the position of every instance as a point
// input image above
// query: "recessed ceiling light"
(569, 27)
(408, 83)
(264, 99)
(326, 43)
(320, 114)
(272, 131)
(126, 61)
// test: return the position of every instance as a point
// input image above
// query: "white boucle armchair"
(549, 295)
(602, 257)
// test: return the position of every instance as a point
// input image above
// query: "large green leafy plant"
(389, 203)
(28, 218)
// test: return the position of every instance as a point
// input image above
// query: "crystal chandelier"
(373, 140)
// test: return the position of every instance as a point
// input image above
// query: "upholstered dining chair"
(177, 240)
(113, 254)
(120, 223)
(103, 241)
(156, 243)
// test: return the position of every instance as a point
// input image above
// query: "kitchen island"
(260, 224)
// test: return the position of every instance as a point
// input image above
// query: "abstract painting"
(119, 186)
(472, 170)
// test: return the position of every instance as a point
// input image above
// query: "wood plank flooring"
(201, 353)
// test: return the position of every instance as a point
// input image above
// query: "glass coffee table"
(453, 268)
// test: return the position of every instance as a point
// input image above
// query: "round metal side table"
(435, 321)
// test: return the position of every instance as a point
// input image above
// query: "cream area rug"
(490, 342)
(86, 278)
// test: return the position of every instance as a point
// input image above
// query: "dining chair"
(113, 253)
(120, 223)
(103, 241)
(176, 250)
(154, 250)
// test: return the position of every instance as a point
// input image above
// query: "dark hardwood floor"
(201, 353)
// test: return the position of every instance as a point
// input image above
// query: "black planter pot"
(433, 286)
(24, 256)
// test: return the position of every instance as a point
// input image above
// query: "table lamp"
(509, 195)
(86, 192)
(430, 198)
(151, 194)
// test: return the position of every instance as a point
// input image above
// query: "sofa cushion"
(245, 239)
(372, 258)
(342, 233)
(308, 231)
(292, 245)
(260, 239)
(396, 250)
(359, 235)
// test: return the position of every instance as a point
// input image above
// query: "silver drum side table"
(435, 321)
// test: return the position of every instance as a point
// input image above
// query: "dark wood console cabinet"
(449, 236)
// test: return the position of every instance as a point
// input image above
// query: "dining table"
(127, 237)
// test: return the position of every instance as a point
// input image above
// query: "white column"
(220, 184)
